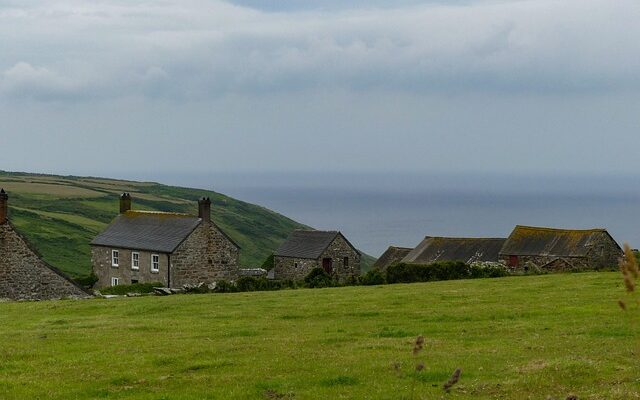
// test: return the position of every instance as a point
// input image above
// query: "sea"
(376, 210)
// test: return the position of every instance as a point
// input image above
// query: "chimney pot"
(204, 209)
(125, 203)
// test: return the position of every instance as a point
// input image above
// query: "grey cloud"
(199, 49)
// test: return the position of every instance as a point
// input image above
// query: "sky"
(123, 88)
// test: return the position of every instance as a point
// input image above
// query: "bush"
(269, 262)
(373, 277)
(88, 281)
(442, 271)
(135, 288)
(318, 278)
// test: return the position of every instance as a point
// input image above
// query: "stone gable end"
(25, 276)
(207, 255)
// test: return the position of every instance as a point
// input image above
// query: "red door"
(327, 265)
(513, 261)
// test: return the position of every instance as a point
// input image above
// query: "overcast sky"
(114, 87)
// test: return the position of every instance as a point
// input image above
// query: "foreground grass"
(514, 338)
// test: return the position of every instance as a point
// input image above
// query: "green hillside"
(533, 337)
(60, 215)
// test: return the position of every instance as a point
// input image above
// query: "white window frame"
(115, 258)
(135, 262)
(153, 257)
(115, 281)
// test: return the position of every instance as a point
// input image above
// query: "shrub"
(87, 281)
(373, 277)
(269, 262)
(442, 271)
(135, 288)
(318, 278)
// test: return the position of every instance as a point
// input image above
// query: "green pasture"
(532, 337)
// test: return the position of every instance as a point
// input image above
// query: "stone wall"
(25, 276)
(207, 255)
(337, 251)
(290, 268)
(101, 261)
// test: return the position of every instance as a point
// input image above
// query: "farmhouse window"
(115, 256)
(135, 261)
(345, 261)
(295, 265)
(115, 281)
(155, 263)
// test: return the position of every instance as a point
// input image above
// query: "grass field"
(60, 215)
(514, 338)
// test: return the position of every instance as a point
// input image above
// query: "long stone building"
(467, 250)
(169, 248)
(560, 249)
(305, 250)
(24, 275)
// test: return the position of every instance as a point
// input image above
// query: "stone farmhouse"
(170, 248)
(305, 250)
(467, 250)
(392, 255)
(559, 249)
(24, 275)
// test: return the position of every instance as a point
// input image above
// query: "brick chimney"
(204, 209)
(125, 203)
(4, 207)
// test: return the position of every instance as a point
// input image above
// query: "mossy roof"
(541, 241)
(467, 250)
(392, 255)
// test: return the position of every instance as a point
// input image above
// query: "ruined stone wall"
(25, 276)
(101, 261)
(337, 251)
(206, 256)
(294, 269)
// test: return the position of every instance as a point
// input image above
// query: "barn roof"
(308, 244)
(392, 255)
(150, 231)
(538, 241)
(467, 250)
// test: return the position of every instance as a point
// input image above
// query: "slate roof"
(307, 244)
(150, 231)
(537, 241)
(392, 255)
(467, 250)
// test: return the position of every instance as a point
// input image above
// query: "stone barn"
(392, 255)
(170, 248)
(467, 250)
(560, 249)
(24, 275)
(305, 250)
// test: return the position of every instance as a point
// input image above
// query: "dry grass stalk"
(453, 380)
(629, 268)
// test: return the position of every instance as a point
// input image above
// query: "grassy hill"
(537, 337)
(60, 215)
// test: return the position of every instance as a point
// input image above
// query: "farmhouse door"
(327, 265)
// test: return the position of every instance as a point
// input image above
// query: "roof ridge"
(464, 238)
(153, 212)
(544, 228)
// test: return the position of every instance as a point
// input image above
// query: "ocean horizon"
(378, 210)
